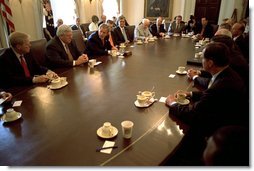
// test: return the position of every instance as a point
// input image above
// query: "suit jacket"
(154, 31)
(221, 104)
(208, 32)
(95, 46)
(173, 28)
(56, 55)
(243, 45)
(119, 36)
(12, 73)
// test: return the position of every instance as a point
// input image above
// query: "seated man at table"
(220, 104)
(177, 26)
(98, 43)
(142, 31)
(61, 51)
(18, 67)
(204, 29)
(157, 29)
(120, 32)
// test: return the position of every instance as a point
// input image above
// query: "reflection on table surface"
(58, 127)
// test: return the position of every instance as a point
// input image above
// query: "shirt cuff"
(172, 104)
(194, 77)
(74, 63)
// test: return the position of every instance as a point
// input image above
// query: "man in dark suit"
(177, 26)
(61, 51)
(222, 103)
(241, 42)
(98, 42)
(204, 29)
(157, 29)
(18, 67)
(120, 32)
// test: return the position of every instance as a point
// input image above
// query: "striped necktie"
(70, 57)
(24, 65)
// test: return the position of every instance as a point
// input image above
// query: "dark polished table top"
(58, 127)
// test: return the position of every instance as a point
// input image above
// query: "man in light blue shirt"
(142, 31)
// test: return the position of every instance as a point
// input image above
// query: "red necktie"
(23, 63)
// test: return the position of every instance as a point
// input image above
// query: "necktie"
(124, 35)
(70, 57)
(177, 28)
(24, 65)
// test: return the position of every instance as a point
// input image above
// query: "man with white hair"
(142, 31)
(224, 32)
(61, 51)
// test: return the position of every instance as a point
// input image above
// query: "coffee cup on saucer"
(63, 80)
(10, 114)
(56, 83)
(148, 94)
(180, 97)
(107, 129)
(181, 69)
(141, 99)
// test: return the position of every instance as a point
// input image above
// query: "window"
(64, 10)
(110, 8)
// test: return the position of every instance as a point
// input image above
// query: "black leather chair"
(131, 29)
(38, 50)
(78, 38)
(84, 27)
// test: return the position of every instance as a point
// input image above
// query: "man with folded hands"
(98, 43)
(220, 104)
(18, 67)
(61, 51)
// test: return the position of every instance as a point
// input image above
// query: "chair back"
(215, 28)
(131, 29)
(88, 33)
(78, 38)
(84, 27)
(38, 50)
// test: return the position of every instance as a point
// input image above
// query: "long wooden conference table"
(58, 127)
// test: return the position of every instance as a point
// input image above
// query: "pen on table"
(103, 148)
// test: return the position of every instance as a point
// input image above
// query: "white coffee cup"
(180, 97)
(63, 80)
(142, 99)
(10, 114)
(56, 83)
(127, 127)
(148, 94)
(197, 55)
(181, 68)
(107, 129)
(92, 62)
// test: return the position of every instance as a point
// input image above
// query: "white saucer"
(151, 40)
(61, 86)
(122, 46)
(12, 119)
(147, 104)
(186, 101)
(114, 132)
(178, 72)
(139, 43)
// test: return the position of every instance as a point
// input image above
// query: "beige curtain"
(87, 9)
(3, 34)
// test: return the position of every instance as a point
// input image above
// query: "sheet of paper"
(171, 75)
(107, 144)
(163, 99)
(17, 103)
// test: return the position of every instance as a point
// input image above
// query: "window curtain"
(3, 34)
(87, 9)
